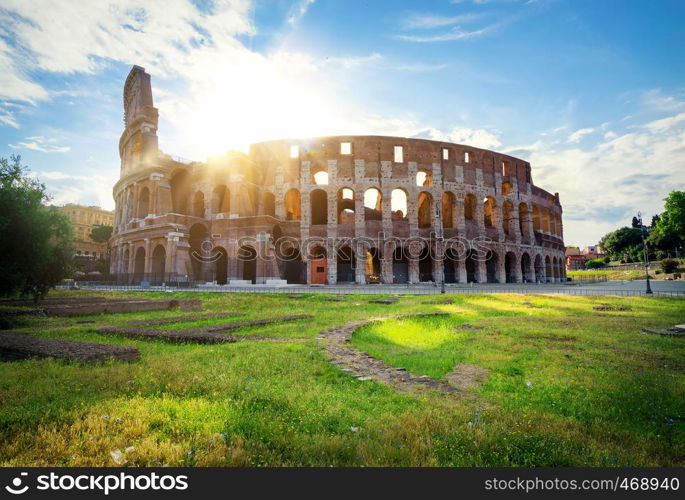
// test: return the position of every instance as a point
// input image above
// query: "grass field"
(567, 386)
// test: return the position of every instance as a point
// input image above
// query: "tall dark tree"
(35, 240)
(635, 223)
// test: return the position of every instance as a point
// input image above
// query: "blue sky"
(592, 93)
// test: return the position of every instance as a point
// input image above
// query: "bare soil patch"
(15, 347)
(178, 319)
(465, 376)
(468, 327)
(610, 307)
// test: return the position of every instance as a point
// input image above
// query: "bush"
(669, 265)
(607, 259)
(594, 263)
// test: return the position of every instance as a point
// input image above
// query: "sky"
(591, 93)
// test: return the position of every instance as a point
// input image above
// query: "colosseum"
(328, 210)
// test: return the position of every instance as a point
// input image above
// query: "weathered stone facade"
(329, 210)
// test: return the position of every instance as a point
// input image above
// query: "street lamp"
(440, 236)
(643, 230)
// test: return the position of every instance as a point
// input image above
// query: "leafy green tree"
(635, 223)
(624, 240)
(594, 263)
(101, 233)
(670, 227)
(35, 240)
(669, 265)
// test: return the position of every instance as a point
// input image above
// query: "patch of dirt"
(15, 347)
(383, 301)
(669, 332)
(530, 304)
(335, 299)
(468, 327)
(465, 376)
(553, 338)
(441, 301)
(610, 307)
(178, 319)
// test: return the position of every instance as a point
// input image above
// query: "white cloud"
(479, 138)
(41, 144)
(428, 21)
(456, 33)
(300, 10)
(579, 134)
(665, 123)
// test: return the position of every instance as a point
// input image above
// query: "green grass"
(600, 392)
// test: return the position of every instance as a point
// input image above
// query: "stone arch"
(247, 263)
(293, 205)
(447, 211)
(346, 206)
(294, 267)
(511, 267)
(491, 266)
(400, 266)
(268, 204)
(424, 178)
(489, 212)
(471, 265)
(143, 203)
(426, 264)
(527, 271)
(544, 220)
(158, 264)
(373, 264)
(197, 239)
(536, 218)
(555, 268)
(549, 275)
(221, 200)
(199, 204)
(180, 191)
(425, 209)
(373, 204)
(507, 188)
(319, 176)
(318, 264)
(318, 206)
(552, 224)
(450, 265)
(220, 257)
(139, 264)
(539, 268)
(345, 264)
(470, 207)
(398, 203)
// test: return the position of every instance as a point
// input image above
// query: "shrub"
(669, 265)
(594, 263)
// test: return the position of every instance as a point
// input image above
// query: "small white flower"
(529, 384)
(354, 429)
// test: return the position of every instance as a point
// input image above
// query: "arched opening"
(158, 264)
(400, 266)
(527, 269)
(470, 264)
(247, 260)
(199, 204)
(508, 216)
(555, 269)
(345, 265)
(123, 264)
(220, 265)
(221, 200)
(268, 204)
(510, 267)
(489, 208)
(373, 204)
(544, 220)
(318, 264)
(447, 209)
(318, 205)
(552, 224)
(470, 207)
(292, 205)
(398, 203)
(539, 269)
(143, 203)
(423, 178)
(319, 177)
(523, 219)
(507, 188)
(373, 266)
(491, 264)
(200, 251)
(294, 267)
(346, 206)
(548, 269)
(425, 265)
(139, 264)
(536, 218)
(425, 209)
(180, 192)
(450, 265)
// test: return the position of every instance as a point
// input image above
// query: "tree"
(35, 240)
(635, 223)
(594, 263)
(670, 227)
(669, 265)
(101, 233)
(626, 240)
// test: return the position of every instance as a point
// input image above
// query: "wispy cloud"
(579, 134)
(456, 33)
(300, 10)
(431, 21)
(41, 144)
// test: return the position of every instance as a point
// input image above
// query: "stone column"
(148, 257)
(413, 265)
(501, 274)
(332, 261)
(461, 269)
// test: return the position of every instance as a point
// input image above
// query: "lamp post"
(643, 230)
(440, 237)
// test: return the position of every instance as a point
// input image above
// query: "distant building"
(592, 252)
(84, 219)
(574, 259)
